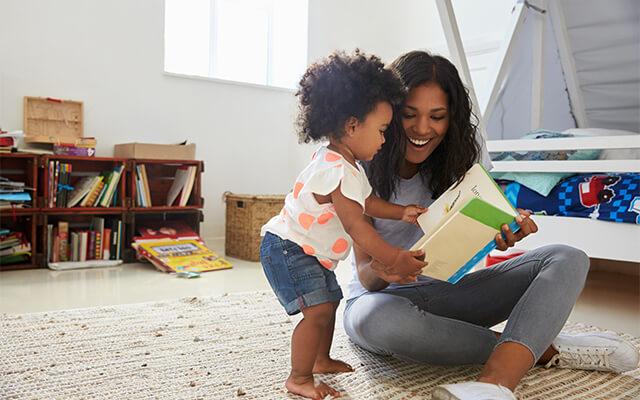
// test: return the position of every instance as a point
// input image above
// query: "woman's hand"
(527, 227)
(392, 275)
(412, 212)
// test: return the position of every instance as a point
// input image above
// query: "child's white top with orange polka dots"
(315, 227)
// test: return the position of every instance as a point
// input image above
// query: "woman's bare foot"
(306, 387)
(329, 365)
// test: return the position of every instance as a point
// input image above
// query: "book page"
(454, 245)
(477, 182)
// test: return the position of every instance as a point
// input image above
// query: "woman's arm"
(375, 276)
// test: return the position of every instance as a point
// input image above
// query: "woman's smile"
(419, 142)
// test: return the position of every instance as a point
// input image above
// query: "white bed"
(599, 239)
(602, 92)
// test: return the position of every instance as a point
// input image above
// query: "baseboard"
(619, 267)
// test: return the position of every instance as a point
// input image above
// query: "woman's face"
(425, 119)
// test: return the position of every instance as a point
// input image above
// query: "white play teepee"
(564, 64)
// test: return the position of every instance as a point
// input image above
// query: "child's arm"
(379, 208)
(366, 237)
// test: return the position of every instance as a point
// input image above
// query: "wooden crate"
(48, 120)
(245, 216)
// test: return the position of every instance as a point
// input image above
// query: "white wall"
(108, 54)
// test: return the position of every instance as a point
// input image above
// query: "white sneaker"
(600, 351)
(472, 391)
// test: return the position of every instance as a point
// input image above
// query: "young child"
(347, 100)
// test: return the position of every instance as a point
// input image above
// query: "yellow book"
(190, 254)
(90, 198)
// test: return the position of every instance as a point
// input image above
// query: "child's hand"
(412, 212)
(408, 263)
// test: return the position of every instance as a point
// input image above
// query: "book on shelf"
(14, 247)
(96, 240)
(182, 185)
(9, 140)
(142, 187)
(460, 225)
(14, 194)
(161, 230)
(173, 245)
(89, 191)
(84, 146)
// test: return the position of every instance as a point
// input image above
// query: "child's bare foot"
(328, 365)
(305, 386)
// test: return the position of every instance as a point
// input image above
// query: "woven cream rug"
(232, 347)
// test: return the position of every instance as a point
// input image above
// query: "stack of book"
(14, 194)
(9, 140)
(102, 240)
(182, 185)
(7, 143)
(89, 191)
(84, 146)
(14, 248)
(171, 246)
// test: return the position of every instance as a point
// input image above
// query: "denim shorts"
(298, 279)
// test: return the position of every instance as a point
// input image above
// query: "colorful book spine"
(98, 247)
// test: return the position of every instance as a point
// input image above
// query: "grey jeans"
(444, 324)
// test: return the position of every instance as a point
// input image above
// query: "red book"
(157, 230)
(63, 234)
(106, 244)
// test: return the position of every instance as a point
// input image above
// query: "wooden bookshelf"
(34, 171)
(27, 224)
(21, 168)
(161, 174)
(82, 166)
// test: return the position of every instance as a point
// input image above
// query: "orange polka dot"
(308, 249)
(296, 189)
(326, 263)
(340, 246)
(331, 157)
(305, 220)
(324, 218)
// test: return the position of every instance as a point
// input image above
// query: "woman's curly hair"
(339, 87)
(459, 149)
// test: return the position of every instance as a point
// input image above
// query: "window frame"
(211, 54)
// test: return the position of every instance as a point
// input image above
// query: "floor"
(611, 298)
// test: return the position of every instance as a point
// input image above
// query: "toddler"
(345, 100)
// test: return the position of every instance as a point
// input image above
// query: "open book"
(461, 225)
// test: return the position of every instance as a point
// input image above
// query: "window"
(255, 41)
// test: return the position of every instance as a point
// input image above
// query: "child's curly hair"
(339, 87)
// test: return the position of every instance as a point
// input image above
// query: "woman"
(430, 145)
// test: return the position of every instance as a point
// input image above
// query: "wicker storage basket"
(245, 216)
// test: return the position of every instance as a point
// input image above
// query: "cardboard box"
(155, 151)
(49, 120)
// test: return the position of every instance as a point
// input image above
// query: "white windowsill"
(229, 82)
